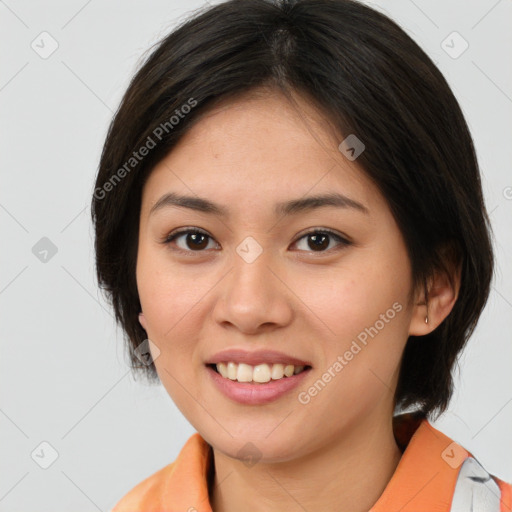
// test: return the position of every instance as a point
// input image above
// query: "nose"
(254, 296)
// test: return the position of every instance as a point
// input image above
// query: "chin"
(251, 449)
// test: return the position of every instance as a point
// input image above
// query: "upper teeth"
(260, 373)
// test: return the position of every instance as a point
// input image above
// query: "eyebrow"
(286, 208)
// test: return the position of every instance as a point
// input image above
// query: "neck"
(347, 475)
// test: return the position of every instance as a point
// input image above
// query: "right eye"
(195, 240)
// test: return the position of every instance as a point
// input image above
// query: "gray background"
(64, 380)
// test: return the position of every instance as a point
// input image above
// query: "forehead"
(259, 148)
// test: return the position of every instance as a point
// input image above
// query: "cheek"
(168, 299)
(353, 297)
(361, 347)
(167, 293)
(364, 318)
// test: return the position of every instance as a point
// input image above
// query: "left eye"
(197, 241)
(319, 240)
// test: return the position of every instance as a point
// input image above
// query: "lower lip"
(256, 394)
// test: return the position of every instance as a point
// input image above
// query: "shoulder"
(457, 481)
(173, 486)
(475, 488)
(506, 494)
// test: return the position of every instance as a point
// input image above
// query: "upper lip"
(255, 357)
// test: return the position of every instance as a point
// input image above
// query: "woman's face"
(269, 279)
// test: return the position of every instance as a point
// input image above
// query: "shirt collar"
(424, 479)
(427, 472)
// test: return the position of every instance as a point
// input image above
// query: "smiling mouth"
(257, 374)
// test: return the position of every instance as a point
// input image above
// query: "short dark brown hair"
(367, 77)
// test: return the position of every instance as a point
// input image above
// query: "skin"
(248, 155)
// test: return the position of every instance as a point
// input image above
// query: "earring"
(426, 300)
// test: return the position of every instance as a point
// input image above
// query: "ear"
(437, 301)
(142, 321)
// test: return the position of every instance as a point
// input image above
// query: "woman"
(290, 225)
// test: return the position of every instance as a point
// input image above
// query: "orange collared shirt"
(424, 480)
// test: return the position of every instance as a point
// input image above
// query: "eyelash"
(172, 236)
